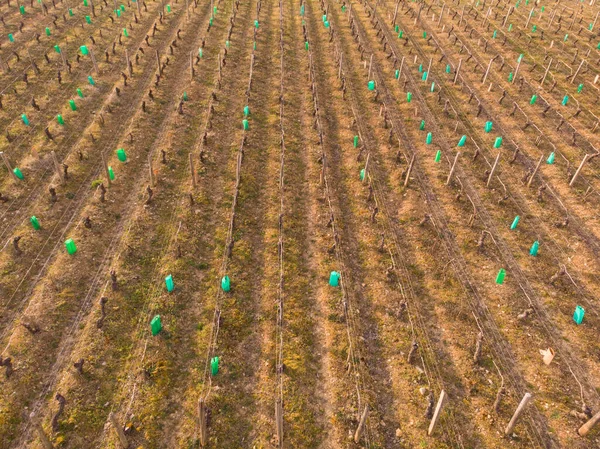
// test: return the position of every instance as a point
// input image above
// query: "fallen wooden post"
(119, 430)
(493, 170)
(452, 169)
(436, 414)
(202, 422)
(513, 421)
(584, 430)
(583, 161)
(279, 422)
(537, 167)
(361, 425)
(410, 166)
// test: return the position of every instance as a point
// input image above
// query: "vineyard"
(299, 224)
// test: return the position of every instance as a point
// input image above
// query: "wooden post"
(395, 12)
(461, 15)
(366, 168)
(158, 63)
(428, 70)
(518, 412)
(129, 69)
(507, 15)
(40, 431)
(436, 414)
(94, 61)
(64, 60)
(192, 170)
(457, 71)
(105, 165)
(487, 71)
(419, 13)
(441, 14)
(583, 161)
(516, 71)
(370, 65)
(595, 20)
(59, 172)
(361, 424)
(577, 71)
(202, 422)
(410, 166)
(546, 72)
(529, 18)
(452, 169)
(192, 64)
(400, 70)
(584, 430)
(151, 170)
(279, 422)
(8, 167)
(535, 170)
(493, 170)
(119, 430)
(340, 68)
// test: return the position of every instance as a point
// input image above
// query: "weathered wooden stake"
(452, 169)
(457, 71)
(8, 167)
(400, 69)
(151, 170)
(583, 161)
(537, 167)
(370, 66)
(517, 414)
(396, 12)
(436, 414)
(40, 431)
(279, 422)
(57, 167)
(428, 70)
(493, 170)
(361, 424)
(202, 422)
(546, 72)
(529, 18)
(119, 430)
(584, 430)
(366, 168)
(516, 71)
(487, 71)
(192, 170)
(577, 71)
(94, 61)
(410, 166)
(441, 13)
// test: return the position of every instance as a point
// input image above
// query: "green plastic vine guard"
(534, 248)
(215, 10)
(22, 10)
(371, 85)
(111, 173)
(73, 105)
(327, 24)
(428, 139)
(125, 33)
(200, 53)
(533, 99)
(121, 155)
(79, 92)
(397, 28)
(462, 141)
(424, 77)
(510, 77)
(448, 68)
(306, 45)
(185, 96)
(566, 37)
(210, 21)
(579, 88)
(71, 247)
(400, 34)
(226, 283)
(18, 173)
(432, 86)
(550, 159)
(324, 18)
(57, 49)
(70, 12)
(84, 50)
(214, 366)
(91, 80)
(422, 125)
(48, 32)
(578, 315)
(227, 44)
(302, 10)
(420, 68)
(155, 325)
(565, 100)
(11, 37)
(500, 277)
(246, 111)
(35, 222)
(408, 96)
(60, 119)
(85, 2)
(168, 8)
(488, 126)
(245, 125)
(438, 156)
(169, 283)
(334, 279)
(362, 174)
(520, 58)
(498, 142)
(122, 8)
(25, 119)
(88, 19)
(424, 35)
(256, 24)
(397, 74)
(355, 141)
(534, 29)
(495, 34)
(515, 223)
